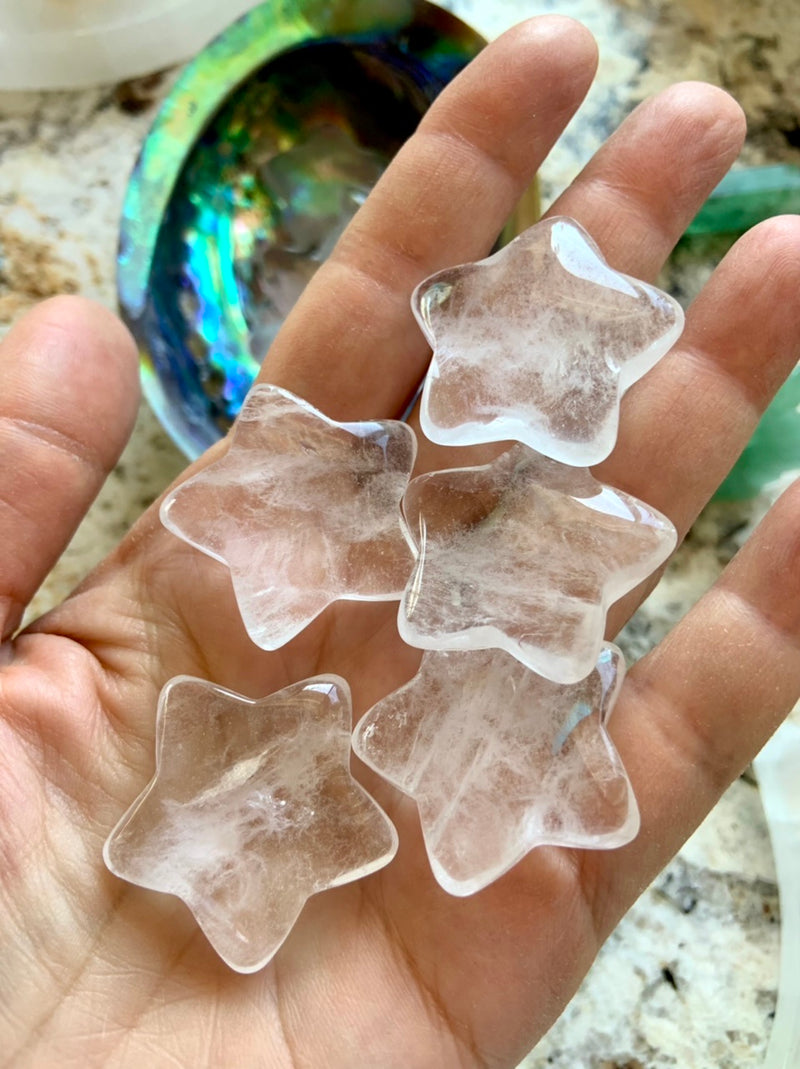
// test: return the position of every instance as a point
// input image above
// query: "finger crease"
(626, 200)
(752, 396)
(66, 444)
(452, 140)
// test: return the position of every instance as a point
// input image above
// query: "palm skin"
(389, 971)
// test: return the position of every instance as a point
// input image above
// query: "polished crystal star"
(251, 811)
(526, 555)
(538, 343)
(500, 760)
(302, 510)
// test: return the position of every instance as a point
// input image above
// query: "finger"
(644, 186)
(684, 425)
(351, 345)
(697, 709)
(69, 391)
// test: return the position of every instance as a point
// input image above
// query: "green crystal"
(774, 448)
(746, 197)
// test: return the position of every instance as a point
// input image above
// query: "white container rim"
(84, 44)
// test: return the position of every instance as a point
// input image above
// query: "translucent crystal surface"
(500, 760)
(525, 554)
(538, 343)
(303, 511)
(252, 809)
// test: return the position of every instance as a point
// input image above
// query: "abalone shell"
(266, 146)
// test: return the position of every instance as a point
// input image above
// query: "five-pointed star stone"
(302, 510)
(251, 811)
(500, 760)
(538, 343)
(524, 554)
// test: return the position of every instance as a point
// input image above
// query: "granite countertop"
(689, 978)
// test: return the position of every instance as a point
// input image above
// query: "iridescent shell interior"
(268, 143)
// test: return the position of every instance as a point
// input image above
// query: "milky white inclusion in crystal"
(302, 510)
(526, 555)
(538, 343)
(500, 760)
(252, 810)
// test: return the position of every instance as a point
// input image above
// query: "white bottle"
(70, 44)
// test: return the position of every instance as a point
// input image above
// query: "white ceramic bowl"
(71, 44)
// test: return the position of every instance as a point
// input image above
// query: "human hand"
(388, 971)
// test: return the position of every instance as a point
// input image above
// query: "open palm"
(389, 971)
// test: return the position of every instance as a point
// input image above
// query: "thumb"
(69, 393)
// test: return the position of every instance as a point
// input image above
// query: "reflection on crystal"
(251, 811)
(500, 760)
(303, 511)
(538, 343)
(526, 555)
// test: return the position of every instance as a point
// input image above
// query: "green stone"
(746, 197)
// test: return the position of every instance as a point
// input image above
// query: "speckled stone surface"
(689, 977)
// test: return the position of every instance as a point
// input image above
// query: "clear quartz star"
(526, 555)
(538, 343)
(302, 510)
(500, 760)
(251, 811)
